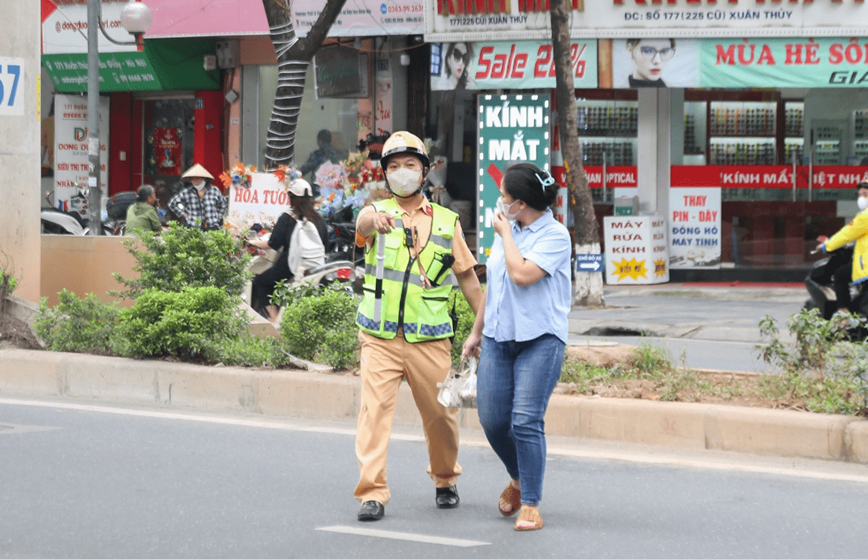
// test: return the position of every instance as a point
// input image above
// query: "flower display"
(239, 175)
(352, 183)
(330, 175)
(286, 173)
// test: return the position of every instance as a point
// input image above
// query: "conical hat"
(197, 171)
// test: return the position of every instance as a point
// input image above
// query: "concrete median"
(328, 396)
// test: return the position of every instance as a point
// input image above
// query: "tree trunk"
(588, 288)
(293, 58)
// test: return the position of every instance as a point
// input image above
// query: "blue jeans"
(515, 381)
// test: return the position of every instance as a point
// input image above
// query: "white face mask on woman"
(504, 209)
(198, 183)
(862, 202)
(404, 182)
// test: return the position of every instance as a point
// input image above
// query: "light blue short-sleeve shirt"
(520, 314)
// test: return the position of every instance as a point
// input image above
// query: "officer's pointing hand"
(383, 222)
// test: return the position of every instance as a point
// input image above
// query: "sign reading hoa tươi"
(512, 128)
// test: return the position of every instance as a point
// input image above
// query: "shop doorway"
(168, 146)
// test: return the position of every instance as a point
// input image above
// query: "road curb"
(328, 396)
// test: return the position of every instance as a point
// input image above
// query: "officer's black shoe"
(371, 510)
(447, 497)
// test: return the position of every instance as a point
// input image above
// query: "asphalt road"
(85, 481)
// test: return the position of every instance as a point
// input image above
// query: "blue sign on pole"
(589, 262)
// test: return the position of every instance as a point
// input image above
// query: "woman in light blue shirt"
(522, 333)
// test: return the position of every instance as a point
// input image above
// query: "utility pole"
(94, 193)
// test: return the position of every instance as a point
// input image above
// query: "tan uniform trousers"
(383, 364)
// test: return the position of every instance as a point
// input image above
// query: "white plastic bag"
(459, 388)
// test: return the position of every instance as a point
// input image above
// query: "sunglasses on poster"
(458, 56)
(648, 53)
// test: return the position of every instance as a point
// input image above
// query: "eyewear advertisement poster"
(694, 227)
(262, 202)
(654, 63)
(635, 250)
(734, 63)
(363, 17)
(507, 64)
(512, 128)
(456, 20)
(70, 146)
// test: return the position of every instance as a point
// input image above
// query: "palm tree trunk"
(588, 289)
(294, 55)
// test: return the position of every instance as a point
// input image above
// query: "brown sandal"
(531, 515)
(512, 497)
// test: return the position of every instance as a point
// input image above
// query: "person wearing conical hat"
(200, 205)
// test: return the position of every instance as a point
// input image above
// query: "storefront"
(162, 108)
(743, 124)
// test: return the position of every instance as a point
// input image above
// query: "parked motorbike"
(69, 218)
(116, 208)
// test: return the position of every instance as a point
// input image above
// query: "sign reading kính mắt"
(512, 128)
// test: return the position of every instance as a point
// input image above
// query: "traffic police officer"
(423, 246)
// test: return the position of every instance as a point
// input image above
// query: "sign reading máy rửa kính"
(635, 250)
(512, 128)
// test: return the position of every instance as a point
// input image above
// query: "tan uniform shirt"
(420, 219)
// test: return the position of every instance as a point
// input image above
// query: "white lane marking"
(404, 536)
(9, 429)
(637, 458)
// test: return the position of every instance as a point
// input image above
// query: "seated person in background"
(202, 205)
(325, 152)
(301, 206)
(142, 214)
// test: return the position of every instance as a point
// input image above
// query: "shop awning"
(167, 64)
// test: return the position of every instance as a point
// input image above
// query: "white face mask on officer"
(862, 202)
(404, 182)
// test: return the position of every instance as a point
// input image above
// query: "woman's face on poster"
(457, 61)
(650, 57)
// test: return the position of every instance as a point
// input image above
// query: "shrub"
(465, 323)
(249, 351)
(7, 284)
(322, 326)
(286, 294)
(183, 257)
(194, 322)
(821, 368)
(78, 325)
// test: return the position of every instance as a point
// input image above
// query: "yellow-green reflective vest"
(422, 313)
